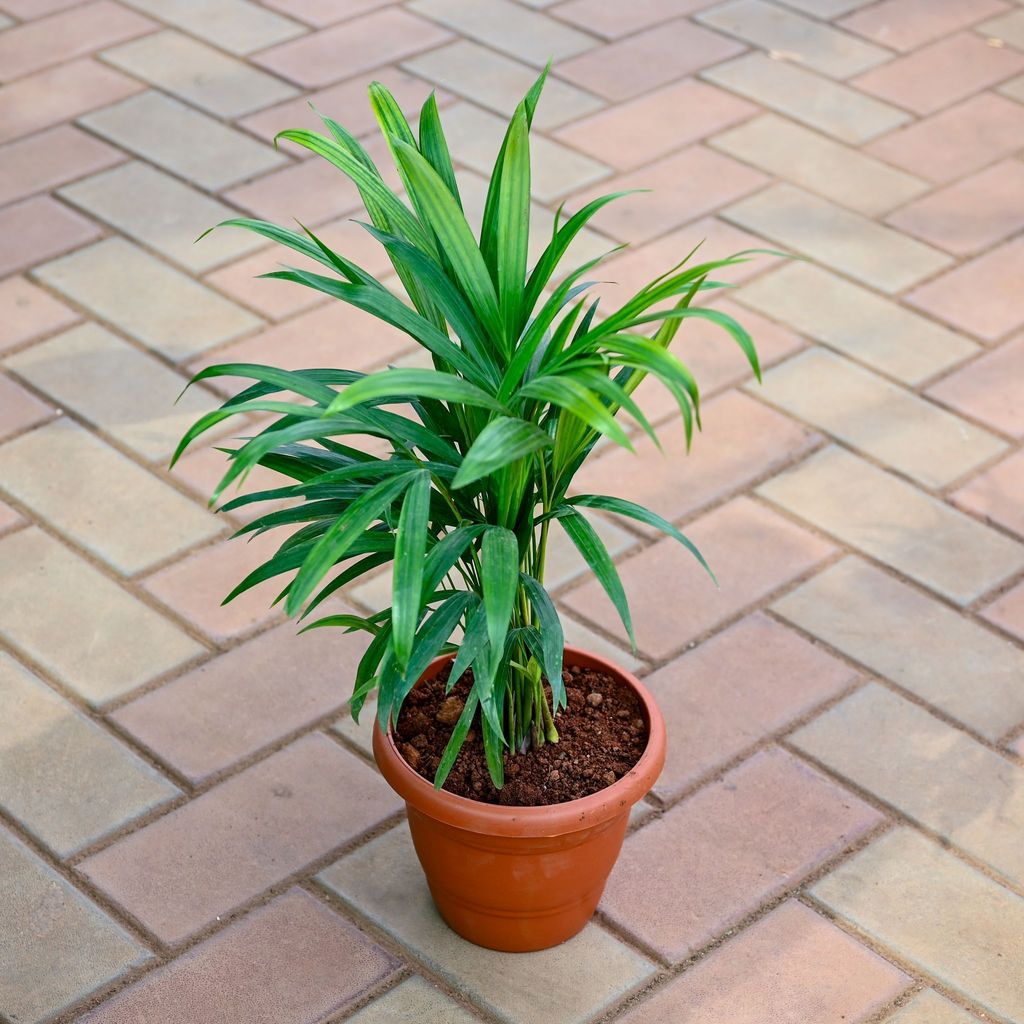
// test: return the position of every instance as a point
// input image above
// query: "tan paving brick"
(907, 24)
(805, 40)
(27, 10)
(325, 12)
(638, 131)
(224, 848)
(414, 999)
(309, 962)
(1014, 88)
(27, 312)
(681, 187)
(931, 1008)
(266, 689)
(1008, 611)
(917, 642)
(827, 8)
(844, 113)
(743, 684)
(745, 440)
(161, 307)
(578, 634)
(237, 26)
(857, 322)
(499, 83)
(66, 780)
(712, 871)
(1009, 28)
(655, 57)
(752, 552)
(19, 409)
(819, 164)
(84, 370)
(199, 74)
(957, 141)
(839, 238)
(383, 881)
(57, 946)
(80, 626)
(58, 94)
(902, 430)
(38, 229)
(616, 20)
(51, 158)
(997, 494)
(940, 74)
(936, 912)
(528, 35)
(893, 521)
(930, 772)
(791, 965)
(101, 499)
(981, 296)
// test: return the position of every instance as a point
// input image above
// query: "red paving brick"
(907, 24)
(19, 409)
(38, 229)
(27, 312)
(1007, 611)
(997, 494)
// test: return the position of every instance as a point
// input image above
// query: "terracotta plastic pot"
(522, 878)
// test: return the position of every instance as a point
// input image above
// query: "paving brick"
(745, 441)
(685, 185)
(731, 691)
(655, 57)
(856, 322)
(293, 961)
(936, 912)
(154, 126)
(997, 494)
(145, 298)
(83, 370)
(853, 607)
(245, 700)
(752, 552)
(383, 881)
(27, 10)
(940, 74)
(100, 499)
(1009, 28)
(9, 518)
(1014, 88)
(59, 94)
(528, 35)
(225, 847)
(93, 636)
(981, 296)
(325, 12)
(931, 1008)
(809, 42)
(920, 439)
(577, 634)
(233, 25)
(833, 108)
(896, 523)
(957, 141)
(987, 390)
(57, 947)
(38, 229)
(930, 772)
(499, 83)
(414, 999)
(907, 24)
(475, 135)
(616, 20)
(729, 848)
(638, 131)
(1008, 611)
(27, 312)
(19, 409)
(791, 965)
(153, 208)
(199, 74)
(839, 238)
(65, 779)
(51, 158)
(819, 164)
(827, 8)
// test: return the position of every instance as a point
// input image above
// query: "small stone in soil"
(594, 699)
(608, 778)
(450, 710)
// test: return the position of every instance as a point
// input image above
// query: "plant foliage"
(482, 447)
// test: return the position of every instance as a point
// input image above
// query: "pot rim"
(551, 819)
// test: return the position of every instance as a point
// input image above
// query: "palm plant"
(526, 379)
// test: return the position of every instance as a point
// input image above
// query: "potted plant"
(518, 758)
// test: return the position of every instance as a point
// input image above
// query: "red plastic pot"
(522, 878)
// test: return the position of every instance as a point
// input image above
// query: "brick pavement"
(190, 826)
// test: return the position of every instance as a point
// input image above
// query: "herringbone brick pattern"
(191, 829)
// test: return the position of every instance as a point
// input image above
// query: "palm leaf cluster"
(482, 447)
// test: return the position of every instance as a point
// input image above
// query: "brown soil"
(602, 734)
